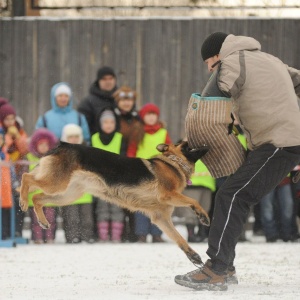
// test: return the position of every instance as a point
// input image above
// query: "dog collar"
(188, 170)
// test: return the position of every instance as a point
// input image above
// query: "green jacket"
(147, 147)
(202, 177)
(114, 146)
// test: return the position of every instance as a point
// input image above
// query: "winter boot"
(142, 239)
(242, 237)
(202, 233)
(192, 237)
(116, 231)
(157, 239)
(103, 231)
(204, 278)
(215, 281)
(231, 276)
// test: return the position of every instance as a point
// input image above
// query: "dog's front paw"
(44, 226)
(204, 219)
(23, 205)
(195, 259)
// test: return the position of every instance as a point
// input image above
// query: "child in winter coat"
(131, 128)
(277, 213)
(154, 134)
(109, 216)
(7, 183)
(15, 136)
(78, 217)
(62, 112)
(40, 143)
(201, 187)
(17, 148)
(127, 115)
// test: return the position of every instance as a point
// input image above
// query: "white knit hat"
(63, 89)
(71, 129)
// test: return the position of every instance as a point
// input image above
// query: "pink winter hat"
(3, 101)
(6, 110)
(39, 135)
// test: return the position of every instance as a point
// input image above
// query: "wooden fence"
(160, 58)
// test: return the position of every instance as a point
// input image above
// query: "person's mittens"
(13, 131)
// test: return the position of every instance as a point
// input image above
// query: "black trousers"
(262, 171)
(78, 222)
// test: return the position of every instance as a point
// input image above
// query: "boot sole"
(232, 280)
(202, 286)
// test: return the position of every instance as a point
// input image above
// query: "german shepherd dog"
(152, 186)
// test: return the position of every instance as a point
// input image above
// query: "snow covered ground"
(141, 271)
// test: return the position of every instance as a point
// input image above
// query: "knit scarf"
(151, 129)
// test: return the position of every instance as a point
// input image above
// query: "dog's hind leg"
(39, 200)
(164, 222)
(38, 204)
(27, 181)
(179, 200)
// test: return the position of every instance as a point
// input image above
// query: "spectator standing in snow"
(100, 97)
(277, 213)
(7, 184)
(154, 133)
(200, 188)
(17, 148)
(77, 217)
(40, 143)
(131, 128)
(62, 112)
(109, 216)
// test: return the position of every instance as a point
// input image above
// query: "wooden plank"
(290, 37)
(18, 68)
(188, 59)
(85, 44)
(6, 58)
(125, 51)
(28, 105)
(94, 59)
(170, 102)
(48, 66)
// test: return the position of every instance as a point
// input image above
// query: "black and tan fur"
(151, 186)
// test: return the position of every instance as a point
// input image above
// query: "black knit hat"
(212, 45)
(105, 71)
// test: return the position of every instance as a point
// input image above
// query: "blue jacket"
(56, 118)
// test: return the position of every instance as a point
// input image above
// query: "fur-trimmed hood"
(41, 134)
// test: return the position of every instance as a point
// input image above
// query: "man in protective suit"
(264, 93)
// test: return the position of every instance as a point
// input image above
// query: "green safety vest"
(114, 146)
(86, 198)
(147, 147)
(242, 140)
(202, 177)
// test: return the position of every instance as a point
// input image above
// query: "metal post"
(19, 239)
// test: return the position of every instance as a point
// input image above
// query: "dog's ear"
(162, 147)
(184, 146)
(194, 154)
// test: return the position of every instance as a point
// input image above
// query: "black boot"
(192, 237)
(202, 232)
